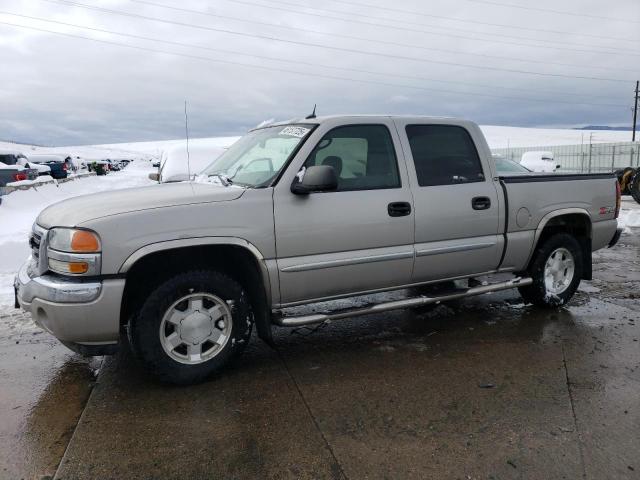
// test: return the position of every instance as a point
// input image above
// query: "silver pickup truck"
(305, 212)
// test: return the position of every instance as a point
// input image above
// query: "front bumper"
(81, 313)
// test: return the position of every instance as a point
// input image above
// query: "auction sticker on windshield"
(294, 131)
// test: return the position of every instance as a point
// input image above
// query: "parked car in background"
(539, 162)
(304, 212)
(12, 157)
(177, 166)
(13, 173)
(504, 166)
(56, 163)
(101, 167)
(68, 159)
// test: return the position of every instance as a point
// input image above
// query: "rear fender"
(584, 240)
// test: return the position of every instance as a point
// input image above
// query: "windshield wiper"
(226, 181)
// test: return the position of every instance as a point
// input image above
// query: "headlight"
(73, 252)
(73, 240)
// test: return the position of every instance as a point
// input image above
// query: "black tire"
(144, 327)
(634, 187)
(626, 173)
(537, 293)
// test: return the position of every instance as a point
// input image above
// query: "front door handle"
(399, 209)
(480, 203)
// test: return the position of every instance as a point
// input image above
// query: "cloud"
(64, 90)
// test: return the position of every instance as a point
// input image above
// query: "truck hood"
(75, 211)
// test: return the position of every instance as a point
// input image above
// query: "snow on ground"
(503, 137)
(159, 146)
(20, 209)
(629, 214)
(87, 152)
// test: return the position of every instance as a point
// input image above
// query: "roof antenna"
(186, 129)
(313, 114)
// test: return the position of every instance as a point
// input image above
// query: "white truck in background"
(542, 162)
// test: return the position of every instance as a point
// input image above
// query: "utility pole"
(635, 113)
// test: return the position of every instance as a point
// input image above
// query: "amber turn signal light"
(84, 241)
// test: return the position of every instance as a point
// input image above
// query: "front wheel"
(191, 325)
(556, 270)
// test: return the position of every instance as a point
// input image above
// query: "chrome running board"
(297, 321)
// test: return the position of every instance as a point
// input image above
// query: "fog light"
(74, 268)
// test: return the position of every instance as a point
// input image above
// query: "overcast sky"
(479, 59)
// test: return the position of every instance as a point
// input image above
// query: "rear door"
(455, 199)
(355, 239)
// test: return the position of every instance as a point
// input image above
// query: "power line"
(478, 22)
(558, 12)
(296, 72)
(353, 37)
(299, 62)
(332, 47)
(446, 29)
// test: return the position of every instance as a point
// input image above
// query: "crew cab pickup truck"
(299, 213)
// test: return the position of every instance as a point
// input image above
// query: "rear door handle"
(480, 203)
(399, 209)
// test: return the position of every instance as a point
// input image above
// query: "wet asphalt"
(483, 389)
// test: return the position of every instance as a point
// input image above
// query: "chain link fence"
(584, 158)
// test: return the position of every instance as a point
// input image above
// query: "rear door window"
(444, 155)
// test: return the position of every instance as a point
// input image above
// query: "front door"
(356, 239)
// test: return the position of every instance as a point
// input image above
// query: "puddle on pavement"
(43, 390)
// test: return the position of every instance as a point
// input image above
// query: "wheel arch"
(234, 256)
(575, 221)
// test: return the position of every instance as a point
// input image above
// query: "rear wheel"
(634, 186)
(556, 270)
(625, 180)
(191, 325)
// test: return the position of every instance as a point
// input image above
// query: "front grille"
(34, 243)
(36, 239)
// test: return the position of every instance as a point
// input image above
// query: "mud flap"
(587, 266)
(263, 327)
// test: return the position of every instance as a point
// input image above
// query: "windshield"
(509, 166)
(257, 158)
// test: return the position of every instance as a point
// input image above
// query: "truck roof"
(370, 118)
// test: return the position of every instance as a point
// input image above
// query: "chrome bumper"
(53, 289)
(72, 310)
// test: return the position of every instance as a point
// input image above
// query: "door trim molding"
(303, 267)
(454, 248)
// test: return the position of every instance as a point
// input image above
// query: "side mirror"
(557, 167)
(154, 176)
(317, 178)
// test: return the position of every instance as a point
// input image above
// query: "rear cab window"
(444, 155)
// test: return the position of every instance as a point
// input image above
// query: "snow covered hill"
(497, 137)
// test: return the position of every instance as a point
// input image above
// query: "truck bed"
(533, 200)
